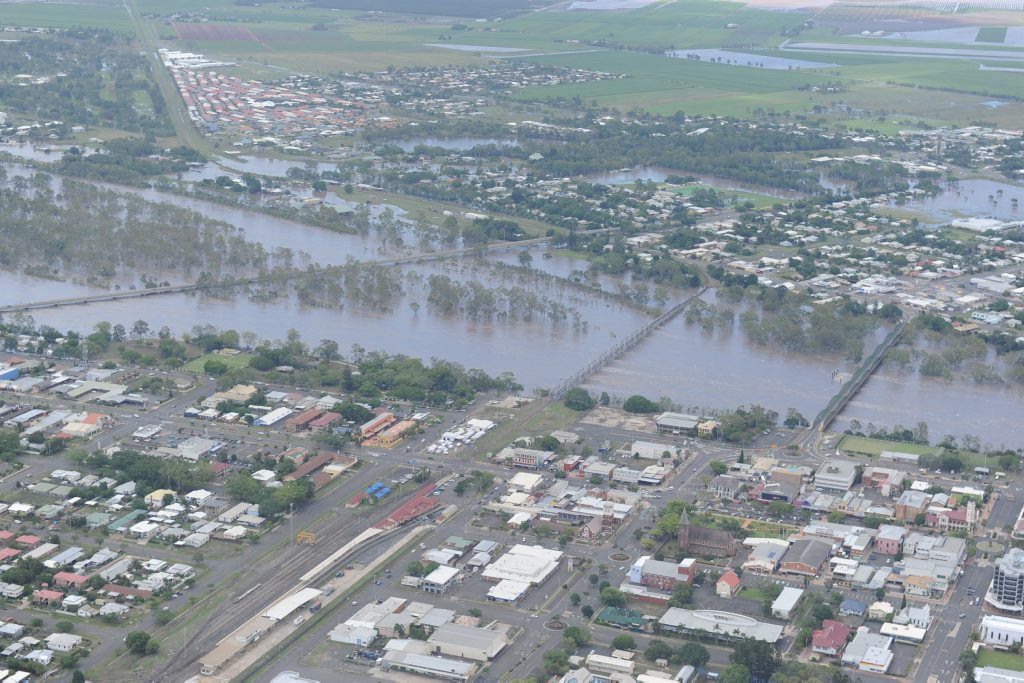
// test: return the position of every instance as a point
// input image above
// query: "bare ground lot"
(606, 417)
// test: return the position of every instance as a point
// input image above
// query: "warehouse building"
(467, 642)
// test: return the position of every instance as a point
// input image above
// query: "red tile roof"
(831, 636)
(730, 578)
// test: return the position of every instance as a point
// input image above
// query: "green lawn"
(753, 593)
(1002, 660)
(859, 445)
(235, 362)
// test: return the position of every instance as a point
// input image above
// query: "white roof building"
(835, 475)
(648, 450)
(525, 563)
(869, 651)
(1001, 632)
(784, 604)
(62, 642)
(991, 674)
(467, 642)
(525, 481)
(508, 591)
(281, 609)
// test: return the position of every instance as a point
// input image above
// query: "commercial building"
(869, 652)
(525, 481)
(991, 674)
(725, 487)
(273, 417)
(508, 591)
(648, 450)
(393, 434)
(783, 606)
(1001, 632)
(432, 667)
(661, 575)
(1006, 592)
(910, 504)
(677, 423)
(467, 642)
(526, 458)
(805, 557)
(724, 626)
(371, 428)
(441, 580)
(836, 476)
(765, 557)
(904, 633)
(889, 540)
(531, 564)
(605, 666)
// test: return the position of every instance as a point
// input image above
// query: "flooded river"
(695, 368)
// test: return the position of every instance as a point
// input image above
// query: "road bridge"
(622, 347)
(850, 388)
(280, 276)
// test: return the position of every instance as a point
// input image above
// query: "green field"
(859, 445)
(670, 24)
(61, 15)
(753, 593)
(1002, 660)
(431, 212)
(991, 34)
(354, 41)
(731, 197)
(240, 360)
(664, 85)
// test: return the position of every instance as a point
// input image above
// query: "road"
(273, 565)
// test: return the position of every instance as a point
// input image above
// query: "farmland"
(59, 15)
(452, 8)
(267, 41)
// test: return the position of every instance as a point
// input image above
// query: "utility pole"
(291, 524)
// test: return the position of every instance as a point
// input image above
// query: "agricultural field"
(665, 85)
(450, 8)
(329, 36)
(102, 13)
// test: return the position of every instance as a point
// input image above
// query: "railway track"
(263, 587)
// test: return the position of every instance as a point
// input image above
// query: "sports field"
(235, 362)
(859, 445)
